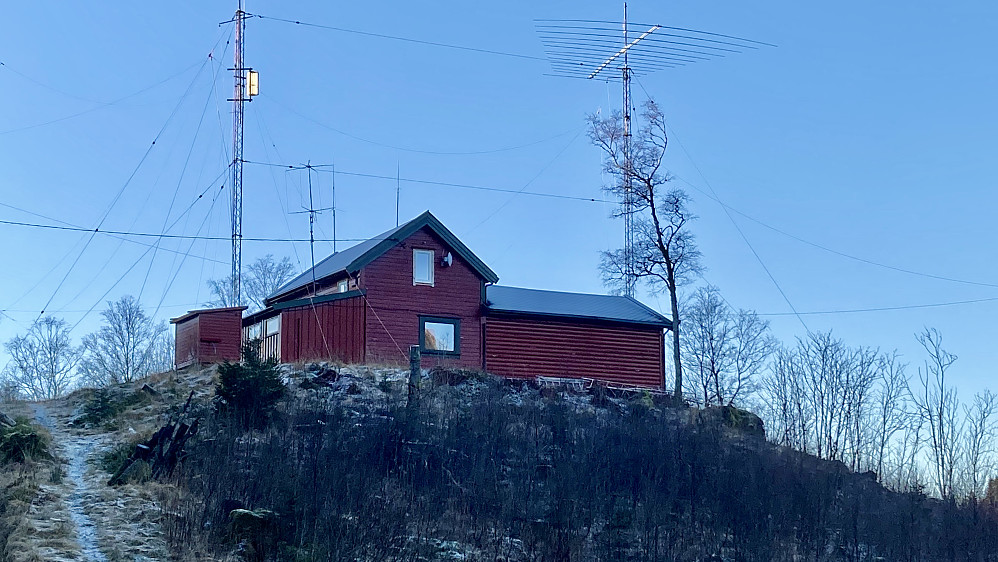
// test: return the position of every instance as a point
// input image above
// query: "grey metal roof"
(333, 264)
(573, 305)
(355, 257)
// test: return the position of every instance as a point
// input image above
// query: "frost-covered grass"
(478, 468)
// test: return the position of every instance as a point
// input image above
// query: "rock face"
(255, 531)
(733, 418)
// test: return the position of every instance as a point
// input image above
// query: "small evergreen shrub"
(115, 458)
(249, 391)
(22, 442)
(106, 404)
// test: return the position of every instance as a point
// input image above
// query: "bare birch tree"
(725, 350)
(707, 346)
(260, 280)
(754, 347)
(43, 360)
(819, 398)
(939, 407)
(264, 276)
(891, 408)
(222, 295)
(123, 347)
(978, 446)
(664, 252)
(788, 412)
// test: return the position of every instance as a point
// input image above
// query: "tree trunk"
(678, 391)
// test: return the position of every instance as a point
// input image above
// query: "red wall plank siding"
(186, 343)
(220, 335)
(210, 336)
(396, 304)
(528, 347)
(331, 331)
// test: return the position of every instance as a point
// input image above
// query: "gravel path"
(76, 449)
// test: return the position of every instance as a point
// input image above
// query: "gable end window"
(439, 336)
(422, 267)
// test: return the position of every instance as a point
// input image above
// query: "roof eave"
(192, 313)
(665, 323)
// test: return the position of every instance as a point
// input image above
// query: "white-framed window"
(273, 325)
(253, 332)
(343, 286)
(422, 267)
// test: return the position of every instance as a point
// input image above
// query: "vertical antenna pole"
(333, 208)
(239, 96)
(629, 269)
(398, 192)
(311, 223)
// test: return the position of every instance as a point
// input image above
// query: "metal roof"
(572, 305)
(356, 257)
(200, 311)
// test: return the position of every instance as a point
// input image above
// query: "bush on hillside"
(22, 442)
(105, 405)
(249, 391)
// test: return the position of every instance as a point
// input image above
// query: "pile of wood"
(164, 449)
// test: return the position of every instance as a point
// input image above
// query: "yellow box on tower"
(253, 83)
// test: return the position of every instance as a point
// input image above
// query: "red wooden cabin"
(417, 284)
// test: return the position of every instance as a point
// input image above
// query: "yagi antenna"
(598, 48)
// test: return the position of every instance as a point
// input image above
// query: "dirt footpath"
(76, 516)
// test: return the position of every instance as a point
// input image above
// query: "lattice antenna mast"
(630, 273)
(246, 86)
(591, 49)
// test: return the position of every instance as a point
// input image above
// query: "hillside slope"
(473, 468)
(480, 468)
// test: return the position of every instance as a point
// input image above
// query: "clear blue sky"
(868, 130)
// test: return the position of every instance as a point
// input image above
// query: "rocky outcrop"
(733, 418)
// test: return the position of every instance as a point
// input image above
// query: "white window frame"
(271, 323)
(415, 265)
(343, 286)
(254, 331)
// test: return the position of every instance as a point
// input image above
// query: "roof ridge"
(559, 292)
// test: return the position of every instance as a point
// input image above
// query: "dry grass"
(35, 524)
(23, 489)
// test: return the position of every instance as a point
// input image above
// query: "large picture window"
(440, 335)
(422, 267)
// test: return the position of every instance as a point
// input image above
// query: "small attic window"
(343, 286)
(422, 267)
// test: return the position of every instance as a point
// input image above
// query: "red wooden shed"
(208, 335)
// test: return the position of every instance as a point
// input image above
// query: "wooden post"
(415, 372)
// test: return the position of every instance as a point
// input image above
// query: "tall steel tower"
(247, 85)
(592, 49)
